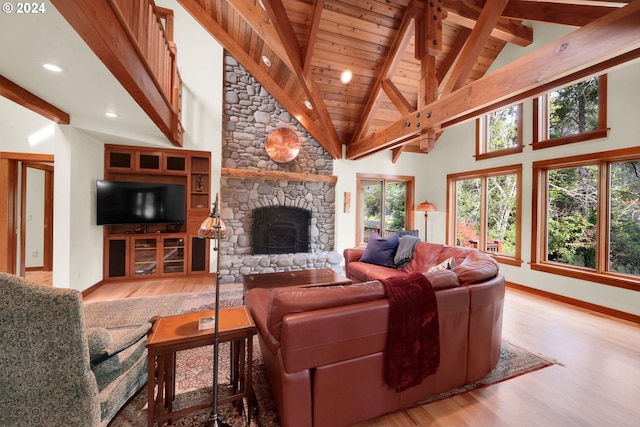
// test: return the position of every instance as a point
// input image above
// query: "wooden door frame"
(9, 168)
(47, 250)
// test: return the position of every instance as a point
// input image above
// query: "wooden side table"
(175, 333)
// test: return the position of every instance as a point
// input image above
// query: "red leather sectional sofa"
(324, 347)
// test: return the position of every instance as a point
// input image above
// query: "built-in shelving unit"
(159, 250)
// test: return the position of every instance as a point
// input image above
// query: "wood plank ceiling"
(404, 55)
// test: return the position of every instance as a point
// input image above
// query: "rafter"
(316, 14)
(556, 13)
(476, 41)
(23, 97)
(594, 48)
(463, 14)
(209, 24)
(393, 58)
(280, 21)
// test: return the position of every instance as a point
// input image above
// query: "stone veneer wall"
(250, 113)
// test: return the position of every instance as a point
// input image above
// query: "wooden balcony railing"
(134, 40)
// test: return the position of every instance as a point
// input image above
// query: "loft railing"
(151, 27)
(134, 39)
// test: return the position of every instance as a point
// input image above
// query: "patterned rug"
(194, 376)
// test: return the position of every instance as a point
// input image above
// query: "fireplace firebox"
(280, 230)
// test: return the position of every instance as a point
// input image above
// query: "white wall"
(454, 153)
(77, 241)
(410, 164)
(200, 61)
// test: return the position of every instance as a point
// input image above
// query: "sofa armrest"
(352, 255)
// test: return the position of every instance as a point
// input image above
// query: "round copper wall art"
(283, 145)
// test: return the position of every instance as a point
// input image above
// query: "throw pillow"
(380, 251)
(447, 264)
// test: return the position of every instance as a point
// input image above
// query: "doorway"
(27, 185)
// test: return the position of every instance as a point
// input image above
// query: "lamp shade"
(426, 206)
(211, 226)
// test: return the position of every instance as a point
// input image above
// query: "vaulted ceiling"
(414, 62)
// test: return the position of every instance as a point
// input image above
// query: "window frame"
(409, 200)
(541, 120)
(483, 175)
(482, 141)
(539, 218)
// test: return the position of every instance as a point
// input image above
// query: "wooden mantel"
(278, 175)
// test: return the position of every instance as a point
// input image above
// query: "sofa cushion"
(380, 251)
(284, 301)
(475, 268)
(425, 255)
(365, 272)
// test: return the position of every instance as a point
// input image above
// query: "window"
(571, 114)
(485, 211)
(499, 133)
(587, 217)
(385, 205)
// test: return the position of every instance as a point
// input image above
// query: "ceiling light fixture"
(266, 61)
(346, 76)
(111, 114)
(308, 104)
(262, 5)
(52, 67)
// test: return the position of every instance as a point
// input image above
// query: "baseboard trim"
(577, 303)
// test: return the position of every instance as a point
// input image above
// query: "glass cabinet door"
(145, 256)
(173, 255)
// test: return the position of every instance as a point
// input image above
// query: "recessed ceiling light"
(346, 76)
(52, 67)
(266, 61)
(308, 104)
(112, 114)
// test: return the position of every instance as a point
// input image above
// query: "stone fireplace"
(252, 183)
(280, 230)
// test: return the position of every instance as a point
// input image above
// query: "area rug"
(194, 377)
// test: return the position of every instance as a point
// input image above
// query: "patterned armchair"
(65, 363)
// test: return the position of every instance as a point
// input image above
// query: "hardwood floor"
(595, 381)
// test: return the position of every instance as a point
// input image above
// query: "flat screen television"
(120, 202)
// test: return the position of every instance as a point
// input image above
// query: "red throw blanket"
(413, 347)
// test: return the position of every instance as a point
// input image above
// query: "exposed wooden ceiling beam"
(98, 23)
(288, 38)
(396, 97)
(463, 14)
(23, 97)
(475, 43)
(452, 56)
(318, 5)
(596, 47)
(258, 20)
(396, 51)
(209, 24)
(555, 13)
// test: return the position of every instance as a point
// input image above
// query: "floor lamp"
(426, 207)
(213, 228)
